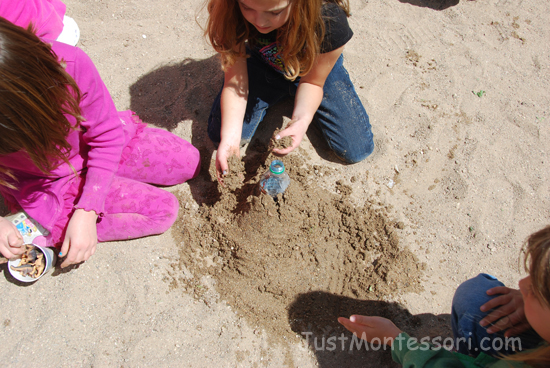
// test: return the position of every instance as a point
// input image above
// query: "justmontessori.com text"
(345, 343)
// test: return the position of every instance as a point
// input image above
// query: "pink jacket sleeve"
(102, 134)
(46, 15)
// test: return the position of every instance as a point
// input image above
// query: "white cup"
(49, 256)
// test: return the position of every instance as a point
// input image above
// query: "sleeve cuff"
(94, 193)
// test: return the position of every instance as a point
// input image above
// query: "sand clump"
(262, 253)
(234, 178)
(281, 143)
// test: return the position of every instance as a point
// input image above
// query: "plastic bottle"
(275, 180)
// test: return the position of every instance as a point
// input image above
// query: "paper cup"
(49, 256)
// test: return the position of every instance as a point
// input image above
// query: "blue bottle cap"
(277, 167)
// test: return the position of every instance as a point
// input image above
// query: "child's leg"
(156, 156)
(343, 119)
(470, 337)
(265, 88)
(132, 210)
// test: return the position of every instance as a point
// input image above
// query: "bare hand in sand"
(296, 130)
(80, 239)
(369, 328)
(11, 241)
(509, 314)
(225, 150)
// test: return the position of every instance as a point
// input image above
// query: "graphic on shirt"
(337, 34)
(270, 53)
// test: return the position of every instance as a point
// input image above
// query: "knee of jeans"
(355, 155)
(472, 293)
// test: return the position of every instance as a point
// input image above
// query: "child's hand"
(369, 328)
(80, 239)
(296, 130)
(225, 150)
(11, 240)
(509, 315)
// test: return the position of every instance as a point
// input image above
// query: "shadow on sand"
(432, 4)
(185, 91)
(314, 316)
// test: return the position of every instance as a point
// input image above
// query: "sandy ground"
(458, 97)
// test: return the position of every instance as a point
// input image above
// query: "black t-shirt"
(337, 34)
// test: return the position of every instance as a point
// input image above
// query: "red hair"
(299, 39)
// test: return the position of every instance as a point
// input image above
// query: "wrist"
(230, 141)
(88, 214)
(392, 334)
(231, 132)
(302, 121)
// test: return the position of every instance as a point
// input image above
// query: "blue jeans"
(470, 337)
(341, 115)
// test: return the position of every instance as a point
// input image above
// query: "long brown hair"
(537, 263)
(299, 39)
(35, 93)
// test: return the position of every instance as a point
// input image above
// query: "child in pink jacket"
(71, 160)
(47, 16)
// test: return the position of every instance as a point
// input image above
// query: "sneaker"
(71, 33)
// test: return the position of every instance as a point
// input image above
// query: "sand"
(261, 252)
(457, 93)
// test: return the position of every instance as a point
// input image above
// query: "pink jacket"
(96, 149)
(46, 15)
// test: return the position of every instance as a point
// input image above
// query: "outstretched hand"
(11, 240)
(225, 150)
(369, 328)
(80, 239)
(296, 130)
(508, 313)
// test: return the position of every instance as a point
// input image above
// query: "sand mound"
(263, 252)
